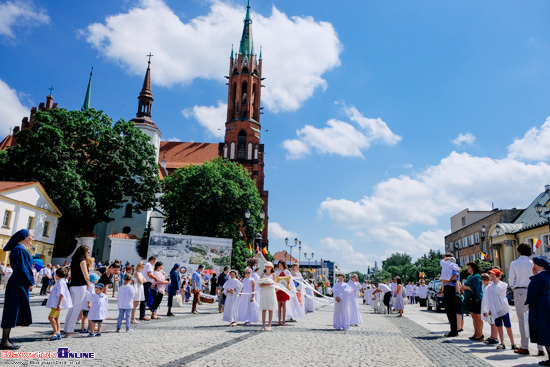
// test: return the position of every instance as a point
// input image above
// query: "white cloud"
(20, 13)
(457, 182)
(12, 109)
(342, 249)
(464, 139)
(310, 48)
(534, 144)
(174, 139)
(276, 232)
(211, 117)
(341, 138)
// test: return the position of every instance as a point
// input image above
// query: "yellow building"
(532, 226)
(26, 205)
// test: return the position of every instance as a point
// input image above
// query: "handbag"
(178, 300)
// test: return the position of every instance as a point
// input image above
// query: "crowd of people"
(81, 288)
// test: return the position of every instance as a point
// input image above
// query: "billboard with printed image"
(190, 251)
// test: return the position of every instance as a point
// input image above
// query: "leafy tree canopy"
(86, 163)
(396, 259)
(211, 199)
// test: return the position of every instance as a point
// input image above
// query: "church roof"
(247, 45)
(9, 185)
(126, 236)
(284, 256)
(180, 154)
(7, 142)
(88, 96)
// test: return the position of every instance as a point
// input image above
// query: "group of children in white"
(96, 309)
(287, 293)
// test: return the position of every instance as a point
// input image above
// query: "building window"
(256, 152)
(477, 237)
(463, 221)
(249, 153)
(7, 219)
(232, 151)
(225, 151)
(128, 211)
(241, 145)
(30, 223)
(485, 246)
(471, 240)
(545, 241)
(46, 230)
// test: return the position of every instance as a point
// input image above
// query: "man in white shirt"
(518, 279)
(149, 278)
(46, 276)
(386, 291)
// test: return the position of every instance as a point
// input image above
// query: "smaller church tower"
(87, 98)
(143, 117)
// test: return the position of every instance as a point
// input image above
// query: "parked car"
(434, 300)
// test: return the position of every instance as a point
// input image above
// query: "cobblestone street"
(204, 340)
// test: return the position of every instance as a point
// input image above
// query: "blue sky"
(383, 118)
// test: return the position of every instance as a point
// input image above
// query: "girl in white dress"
(309, 303)
(248, 305)
(268, 299)
(296, 308)
(231, 288)
(341, 292)
(139, 296)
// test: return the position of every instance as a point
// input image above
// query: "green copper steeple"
(86, 104)
(247, 45)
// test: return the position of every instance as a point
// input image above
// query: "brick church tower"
(242, 128)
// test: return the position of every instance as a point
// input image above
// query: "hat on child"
(94, 277)
(127, 276)
(100, 285)
(496, 272)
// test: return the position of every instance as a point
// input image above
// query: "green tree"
(429, 264)
(86, 163)
(211, 200)
(381, 276)
(396, 259)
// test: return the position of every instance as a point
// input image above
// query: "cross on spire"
(51, 89)
(149, 56)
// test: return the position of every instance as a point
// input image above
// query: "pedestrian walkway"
(204, 340)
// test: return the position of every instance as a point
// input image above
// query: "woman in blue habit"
(17, 309)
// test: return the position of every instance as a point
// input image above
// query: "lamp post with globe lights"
(291, 246)
(250, 221)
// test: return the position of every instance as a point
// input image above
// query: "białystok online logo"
(64, 353)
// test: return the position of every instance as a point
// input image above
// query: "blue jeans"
(121, 312)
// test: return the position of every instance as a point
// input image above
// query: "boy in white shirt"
(58, 299)
(126, 295)
(497, 306)
(98, 309)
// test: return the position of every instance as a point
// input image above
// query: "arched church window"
(241, 144)
(225, 150)
(249, 153)
(256, 152)
(128, 211)
(232, 151)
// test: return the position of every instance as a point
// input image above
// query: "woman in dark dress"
(473, 294)
(17, 309)
(173, 287)
(538, 299)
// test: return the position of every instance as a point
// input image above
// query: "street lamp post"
(299, 252)
(291, 246)
(249, 221)
(308, 258)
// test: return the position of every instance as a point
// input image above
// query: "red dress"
(282, 296)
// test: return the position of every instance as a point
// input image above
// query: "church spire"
(88, 96)
(146, 96)
(247, 45)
